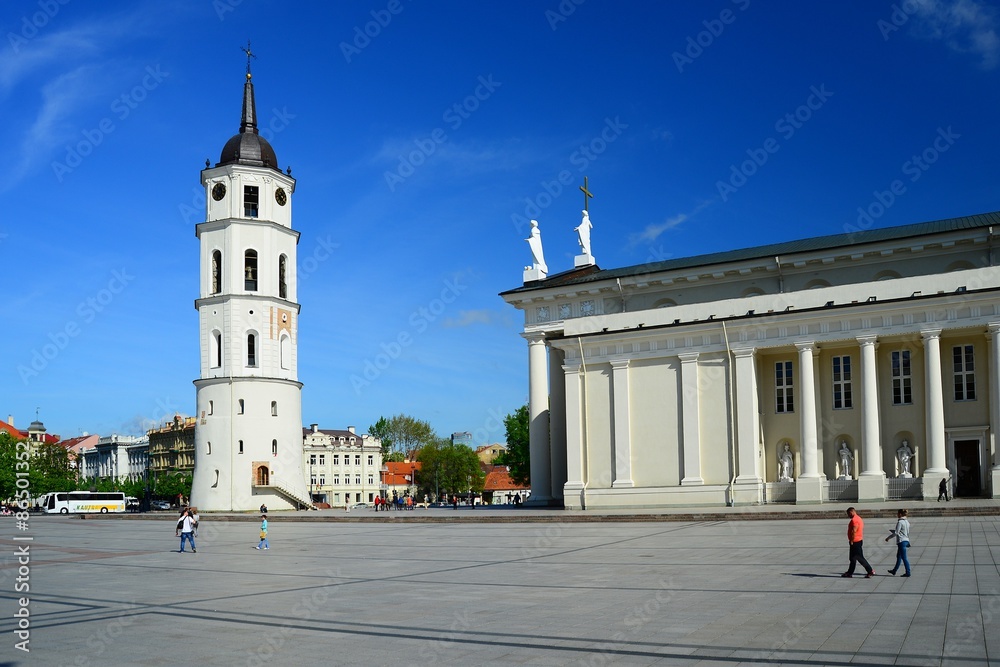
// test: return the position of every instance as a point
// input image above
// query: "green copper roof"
(785, 249)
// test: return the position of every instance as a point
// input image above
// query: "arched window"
(251, 350)
(240, 408)
(215, 349)
(274, 408)
(282, 285)
(285, 351)
(241, 447)
(274, 448)
(215, 484)
(216, 271)
(209, 452)
(211, 407)
(250, 271)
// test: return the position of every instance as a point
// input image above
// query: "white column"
(871, 439)
(934, 404)
(807, 411)
(538, 416)
(993, 344)
(871, 481)
(557, 421)
(691, 419)
(747, 422)
(623, 426)
(573, 490)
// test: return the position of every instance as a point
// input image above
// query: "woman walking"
(902, 534)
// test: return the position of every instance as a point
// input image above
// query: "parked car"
(159, 505)
(359, 505)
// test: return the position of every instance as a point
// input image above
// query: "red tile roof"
(18, 434)
(499, 479)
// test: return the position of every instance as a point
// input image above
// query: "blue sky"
(421, 150)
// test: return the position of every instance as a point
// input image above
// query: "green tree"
(402, 433)
(447, 468)
(8, 465)
(173, 484)
(394, 457)
(51, 470)
(517, 458)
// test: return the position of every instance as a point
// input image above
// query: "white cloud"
(966, 26)
(653, 230)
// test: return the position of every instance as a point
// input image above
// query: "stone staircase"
(276, 484)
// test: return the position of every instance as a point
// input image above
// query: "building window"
(251, 199)
(285, 351)
(371, 479)
(239, 409)
(357, 459)
(312, 459)
(902, 393)
(963, 360)
(274, 408)
(211, 407)
(322, 459)
(274, 448)
(209, 447)
(216, 271)
(241, 447)
(336, 480)
(783, 387)
(250, 271)
(322, 480)
(336, 459)
(251, 350)
(312, 480)
(371, 459)
(842, 394)
(215, 352)
(282, 285)
(357, 480)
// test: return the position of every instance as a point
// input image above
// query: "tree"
(51, 470)
(8, 465)
(402, 433)
(517, 458)
(394, 457)
(448, 468)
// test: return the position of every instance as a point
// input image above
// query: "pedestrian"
(185, 526)
(263, 533)
(195, 519)
(855, 535)
(454, 501)
(943, 489)
(902, 534)
(263, 508)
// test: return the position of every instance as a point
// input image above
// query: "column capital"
(744, 352)
(572, 369)
(533, 336)
(992, 329)
(688, 357)
(806, 346)
(619, 364)
(930, 334)
(870, 339)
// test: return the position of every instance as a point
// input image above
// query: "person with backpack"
(185, 528)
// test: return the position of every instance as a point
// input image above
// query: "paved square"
(380, 592)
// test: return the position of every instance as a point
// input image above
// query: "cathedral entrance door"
(968, 469)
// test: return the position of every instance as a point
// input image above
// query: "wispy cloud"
(468, 318)
(653, 230)
(67, 46)
(966, 26)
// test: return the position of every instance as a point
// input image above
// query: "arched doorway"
(263, 476)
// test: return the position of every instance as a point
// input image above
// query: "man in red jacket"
(855, 534)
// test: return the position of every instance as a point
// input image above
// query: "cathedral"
(248, 436)
(858, 367)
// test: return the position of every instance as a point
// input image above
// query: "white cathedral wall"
(598, 435)
(715, 419)
(655, 411)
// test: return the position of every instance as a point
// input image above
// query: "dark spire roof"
(248, 147)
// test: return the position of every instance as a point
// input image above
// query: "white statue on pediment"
(535, 243)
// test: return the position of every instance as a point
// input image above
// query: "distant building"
(499, 488)
(399, 476)
(117, 457)
(35, 435)
(76, 446)
(341, 466)
(461, 438)
(171, 447)
(489, 453)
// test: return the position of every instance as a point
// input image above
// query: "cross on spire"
(587, 196)
(250, 54)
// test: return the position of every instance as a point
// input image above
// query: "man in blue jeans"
(186, 526)
(902, 534)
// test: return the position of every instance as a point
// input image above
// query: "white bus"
(85, 501)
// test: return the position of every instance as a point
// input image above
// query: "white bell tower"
(248, 437)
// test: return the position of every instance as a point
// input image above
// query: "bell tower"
(248, 437)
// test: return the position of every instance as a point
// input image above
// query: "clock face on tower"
(280, 196)
(219, 191)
